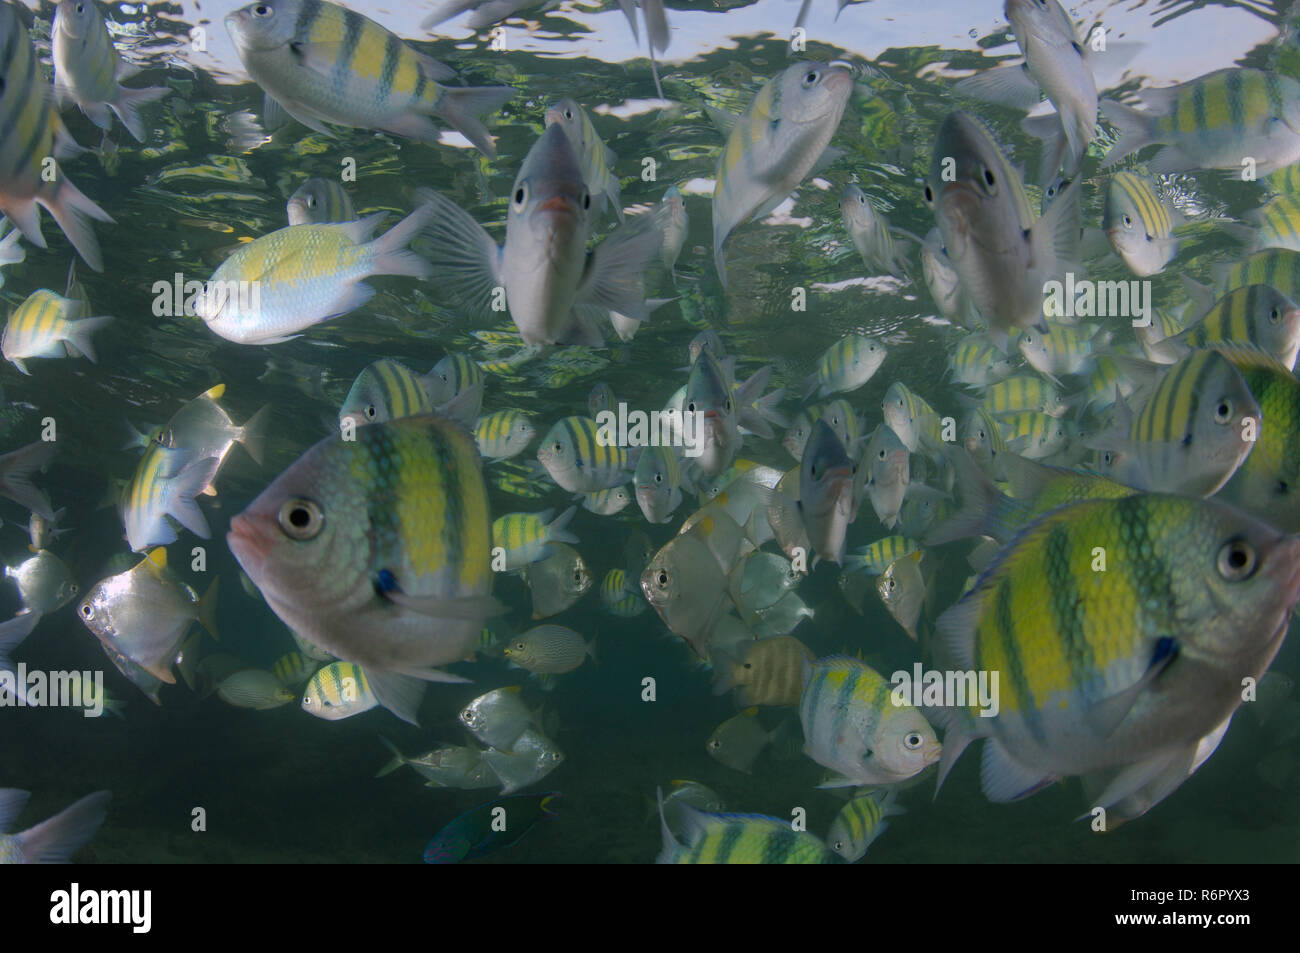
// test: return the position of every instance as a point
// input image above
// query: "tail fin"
(1134, 126)
(557, 531)
(391, 254)
(189, 483)
(16, 469)
(461, 107)
(208, 609)
(56, 840)
(397, 761)
(72, 210)
(253, 436)
(128, 106)
(983, 507)
(79, 333)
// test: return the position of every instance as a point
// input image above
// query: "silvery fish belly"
(377, 549)
(1119, 673)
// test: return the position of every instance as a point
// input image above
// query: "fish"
(885, 468)
(709, 397)
(490, 827)
(912, 420)
(1035, 435)
(826, 478)
(607, 502)
(383, 391)
(294, 668)
(760, 579)
(982, 437)
(24, 184)
(1002, 251)
(860, 821)
(558, 581)
(497, 718)
(523, 538)
(1275, 224)
(687, 588)
(1191, 435)
(1061, 349)
(484, 12)
(377, 550)
(875, 558)
(549, 650)
(44, 582)
(691, 793)
(658, 483)
(88, 70)
(319, 202)
(504, 434)
(763, 672)
(203, 428)
(555, 291)
(452, 376)
(144, 613)
(579, 457)
(254, 688)
(737, 839)
(55, 840)
(1139, 224)
(845, 366)
(601, 398)
(453, 766)
(852, 726)
(1058, 64)
(532, 757)
(1257, 315)
(1118, 676)
(774, 144)
(870, 233)
(275, 286)
(944, 283)
(321, 62)
(1211, 121)
(676, 224)
(1266, 482)
(166, 483)
(594, 157)
(977, 362)
(739, 740)
(339, 690)
(620, 595)
(902, 588)
(1024, 392)
(44, 326)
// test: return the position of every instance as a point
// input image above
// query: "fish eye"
(519, 646)
(310, 200)
(586, 200)
(1236, 560)
(521, 193)
(1128, 222)
(839, 846)
(300, 518)
(691, 406)
(1274, 316)
(74, 588)
(811, 77)
(87, 611)
(715, 744)
(556, 756)
(370, 411)
(929, 195)
(262, 10)
(1223, 412)
(814, 471)
(990, 181)
(568, 114)
(727, 404)
(662, 579)
(913, 740)
(559, 448)
(881, 455)
(659, 478)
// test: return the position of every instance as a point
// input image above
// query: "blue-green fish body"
(489, 827)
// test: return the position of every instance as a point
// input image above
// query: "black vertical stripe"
(353, 23)
(308, 13)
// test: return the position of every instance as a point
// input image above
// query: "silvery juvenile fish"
(1119, 676)
(676, 224)
(301, 275)
(902, 589)
(321, 62)
(739, 740)
(596, 159)
(376, 549)
(557, 581)
(497, 718)
(709, 397)
(870, 234)
(44, 581)
(55, 840)
(319, 202)
(885, 467)
(532, 757)
(144, 613)
(555, 290)
(774, 144)
(1213, 122)
(1002, 251)
(826, 478)
(165, 485)
(686, 586)
(24, 182)
(203, 428)
(88, 70)
(455, 766)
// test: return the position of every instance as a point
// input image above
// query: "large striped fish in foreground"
(1120, 676)
(88, 70)
(301, 275)
(774, 144)
(1255, 315)
(377, 550)
(736, 839)
(1213, 122)
(322, 62)
(31, 131)
(555, 290)
(1193, 432)
(1002, 251)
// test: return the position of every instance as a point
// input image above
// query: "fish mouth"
(559, 204)
(248, 544)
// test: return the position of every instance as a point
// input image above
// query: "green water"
(281, 786)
